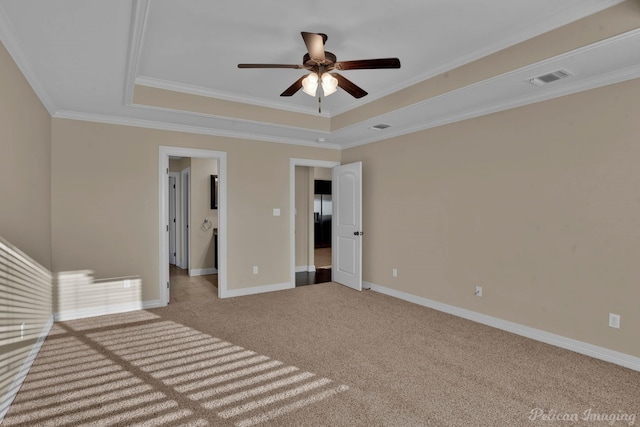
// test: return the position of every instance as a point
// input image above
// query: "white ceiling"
(83, 58)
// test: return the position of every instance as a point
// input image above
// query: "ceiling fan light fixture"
(329, 84)
(310, 84)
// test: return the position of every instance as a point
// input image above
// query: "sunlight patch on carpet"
(148, 371)
(239, 384)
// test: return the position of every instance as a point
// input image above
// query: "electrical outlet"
(276, 212)
(255, 269)
(478, 291)
(394, 272)
(614, 320)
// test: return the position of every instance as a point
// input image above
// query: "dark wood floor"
(321, 275)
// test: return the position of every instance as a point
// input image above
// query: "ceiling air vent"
(550, 77)
(381, 126)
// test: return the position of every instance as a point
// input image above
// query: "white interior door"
(172, 220)
(347, 225)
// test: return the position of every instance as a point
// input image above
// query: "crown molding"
(526, 34)
(225, 96)
(13, 47)
(158, 125)
(581, 85)
(614, 77)
(137, 29)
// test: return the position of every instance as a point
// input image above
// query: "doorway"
(188, 238)
(310, 252)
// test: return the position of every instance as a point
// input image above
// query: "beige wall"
(540, 205)
(25, 223)
(201, 250)
(105, 208)
(25, 165)
(323, 174)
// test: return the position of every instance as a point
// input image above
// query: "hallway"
(322, 257)
(183, 287)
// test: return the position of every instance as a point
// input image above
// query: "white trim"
(556, 21)
(24, 370)
(203, 271)
(137, 29)
(225, 96)
(83, 313)
(13, 47)
(597, 352)
(154, 124)
(526, 33)
(305, 268)
(154, 303)
(581, 85)
(163, 205)
(230, 293)
(293, 162)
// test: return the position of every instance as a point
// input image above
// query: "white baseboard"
(83, 313)
(622, 359)
(305, 268)
(256, 290)
(151, 304)
(24, 370)
(203, 271)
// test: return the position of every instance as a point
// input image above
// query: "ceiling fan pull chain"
(319, 106)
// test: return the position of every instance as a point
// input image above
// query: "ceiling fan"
(320, 63)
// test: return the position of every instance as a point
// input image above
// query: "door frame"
(292, 206)
(163, 214)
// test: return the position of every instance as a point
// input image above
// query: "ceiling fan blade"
(349, 86)
(293, 88)
(365, 64)
(315, 45)
(294, 66)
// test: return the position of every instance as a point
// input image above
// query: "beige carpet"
(315, 355)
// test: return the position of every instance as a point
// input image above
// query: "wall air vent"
(550, 77)
(381, 126)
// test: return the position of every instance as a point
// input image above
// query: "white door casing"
(347, 225)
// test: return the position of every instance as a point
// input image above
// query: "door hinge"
(167, 285)
(174, 254)
(174, 220)
(167, 171)
(167, 228)
(174, 186)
